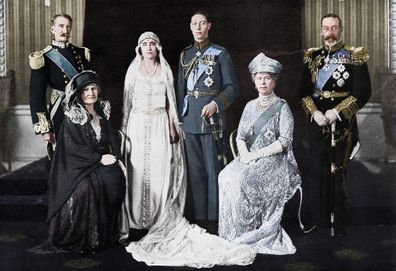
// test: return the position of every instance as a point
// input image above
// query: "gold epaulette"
(348, 107)
(308, 105)
(308, 54)
(359, 54)
(87, 53)
(36, 59)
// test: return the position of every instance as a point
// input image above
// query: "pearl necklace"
(153, 72)
(263, 102)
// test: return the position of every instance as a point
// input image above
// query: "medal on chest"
(340, 75)
(210, 62)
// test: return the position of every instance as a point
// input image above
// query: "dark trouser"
(204, 169)
(326, 199)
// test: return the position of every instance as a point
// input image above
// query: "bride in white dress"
(156, 172)
(150, 125)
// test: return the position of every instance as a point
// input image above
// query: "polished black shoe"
(88, 251)
(92, 250)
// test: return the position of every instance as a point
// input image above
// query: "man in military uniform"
(335, 85)
(207, 86)
(54, 66)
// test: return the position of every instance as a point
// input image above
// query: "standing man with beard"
(54, 67)
(207, 86)
(335, 85)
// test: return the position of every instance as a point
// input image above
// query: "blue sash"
(261, 121)
(327, 70)
(62, 63)
(194, 75)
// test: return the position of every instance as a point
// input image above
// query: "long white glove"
(273, 148)
(242, 148)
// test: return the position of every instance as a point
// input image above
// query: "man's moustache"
(330, 37)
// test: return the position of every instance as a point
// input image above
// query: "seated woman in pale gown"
(254, 187)
(156, 172)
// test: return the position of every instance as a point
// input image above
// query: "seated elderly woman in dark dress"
(86, 183)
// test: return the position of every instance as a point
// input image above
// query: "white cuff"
(312, 116)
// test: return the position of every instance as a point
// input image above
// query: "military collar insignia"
(59, 44)
(335, 47)
(201, 45)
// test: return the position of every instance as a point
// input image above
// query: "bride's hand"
(174, 137)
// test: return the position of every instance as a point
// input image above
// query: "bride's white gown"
(156, 189)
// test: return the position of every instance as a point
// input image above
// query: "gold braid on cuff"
(224, 100)
(308, 105)
(348, 107)
(43, 125)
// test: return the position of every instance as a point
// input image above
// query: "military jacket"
(335, 77)
(45, 73)
(206, 73)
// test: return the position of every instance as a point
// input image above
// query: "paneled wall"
(2, 40)
(28, 30)
(365, 24)
(392, 32)
(27, 27)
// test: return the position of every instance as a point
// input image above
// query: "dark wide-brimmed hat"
(76, 84)
(85, 78)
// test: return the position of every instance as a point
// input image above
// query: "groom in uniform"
(207, 86)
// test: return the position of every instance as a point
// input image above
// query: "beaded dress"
(252, 196)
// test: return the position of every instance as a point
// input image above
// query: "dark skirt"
(88, 221)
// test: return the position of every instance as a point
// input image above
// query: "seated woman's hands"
(244, 154)
(247, 156)
(108, 159)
